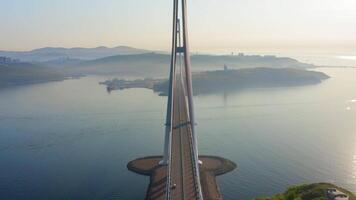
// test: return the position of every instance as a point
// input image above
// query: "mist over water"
(72, 139)
(335, 59)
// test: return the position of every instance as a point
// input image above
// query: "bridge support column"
(169, 117)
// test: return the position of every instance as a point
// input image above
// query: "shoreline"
(34, 82)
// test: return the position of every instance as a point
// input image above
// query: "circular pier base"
(212, 166)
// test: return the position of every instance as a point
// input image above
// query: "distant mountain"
(61, 62)
(49, 54)
(143, 65)
(157, 65)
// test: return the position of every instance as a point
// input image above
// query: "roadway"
(182, 160)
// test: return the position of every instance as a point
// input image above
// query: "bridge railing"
(196, 171)
(193, 151)
(196, 174)
(194, 159)
(169, 171)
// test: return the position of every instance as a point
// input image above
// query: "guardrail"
(169, 171)
(195, 160)
(194, 157)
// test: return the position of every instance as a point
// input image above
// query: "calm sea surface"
(72, 140)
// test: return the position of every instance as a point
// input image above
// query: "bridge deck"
(182, 166)
(213, 166)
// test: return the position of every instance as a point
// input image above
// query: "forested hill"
(153, 64)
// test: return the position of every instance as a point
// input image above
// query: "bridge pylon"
(177, 175)
(180, 47)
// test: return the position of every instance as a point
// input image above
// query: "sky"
(214, 25)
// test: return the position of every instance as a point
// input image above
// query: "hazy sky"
(215, 25)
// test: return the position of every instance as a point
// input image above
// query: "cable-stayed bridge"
(177, 176)
(181, 152)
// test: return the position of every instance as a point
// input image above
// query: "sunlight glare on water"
(347, 57)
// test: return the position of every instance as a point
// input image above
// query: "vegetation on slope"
(231, 80)
(307, 192)
(27, 73)
(153, 65)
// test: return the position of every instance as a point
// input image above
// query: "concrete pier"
(212, 166)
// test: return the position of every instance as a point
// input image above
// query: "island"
(229, 80)
(57, 64)
(121, 84)
(316, 191)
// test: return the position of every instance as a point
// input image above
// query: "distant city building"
(7, 60)
(225, 68)
(4, 60)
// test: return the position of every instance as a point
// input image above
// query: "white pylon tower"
(180, 32)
